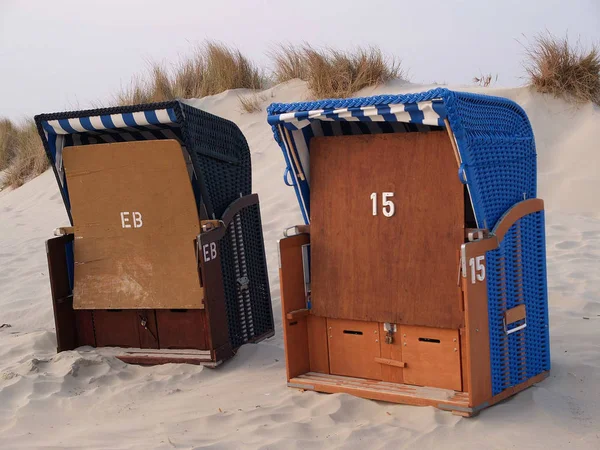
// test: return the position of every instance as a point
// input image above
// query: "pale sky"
(65, 54)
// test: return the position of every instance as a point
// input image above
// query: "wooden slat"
(390, 362)
(429, 362)
(478, 365)
(514, 314)
(392, 352)
(353, 347)
(390, 392)
(318, 351)
(413, 251)
(62, 300)
(149, 334)
(517, 211)
(291, 278)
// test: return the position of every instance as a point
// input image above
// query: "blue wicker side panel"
(516, 274)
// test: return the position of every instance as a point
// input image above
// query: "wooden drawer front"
(353, 347)
(181, 329)
(116, 328)
(432, 357)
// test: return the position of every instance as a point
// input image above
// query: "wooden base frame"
(307, 337)
(151, 336)
(456, 402)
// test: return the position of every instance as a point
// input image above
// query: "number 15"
(388, 206)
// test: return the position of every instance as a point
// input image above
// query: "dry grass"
(29, 158)
(289, 63)
(557, 67)
(332, 73)
(212, 69)
(7, 142)
(485, 80)
(251, 103)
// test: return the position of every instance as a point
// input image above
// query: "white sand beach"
(88, 398)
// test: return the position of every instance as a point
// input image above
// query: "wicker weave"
(497, 149)
(222, 173)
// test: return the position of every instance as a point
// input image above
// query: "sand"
(89, 399)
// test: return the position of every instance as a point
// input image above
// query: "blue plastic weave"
(497, 148)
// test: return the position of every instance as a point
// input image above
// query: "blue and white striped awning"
(297, 123)
(77, 128)
(430, 112)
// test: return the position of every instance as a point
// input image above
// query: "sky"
(58, 55)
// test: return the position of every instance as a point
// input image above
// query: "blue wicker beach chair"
(419, 275)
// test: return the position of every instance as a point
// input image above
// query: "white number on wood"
(388, 206)
(477, 269)
(136, 217)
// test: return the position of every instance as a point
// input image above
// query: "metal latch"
(243, 283)
(390, 329)
(507, 331)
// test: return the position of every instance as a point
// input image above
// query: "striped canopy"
(103, 126)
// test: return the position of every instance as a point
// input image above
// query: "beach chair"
(164, 258)
(419, 276)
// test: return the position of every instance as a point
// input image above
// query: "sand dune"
(87, 398)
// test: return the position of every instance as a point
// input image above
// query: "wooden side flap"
(514, 314)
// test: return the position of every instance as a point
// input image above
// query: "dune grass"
(558, 67)
(332, 73)
(485, 80)
(211, 69)
(27, 157)
(7, 142)
(251, 103)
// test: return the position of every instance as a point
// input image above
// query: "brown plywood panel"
(353, 347)
(291, 279)
(393, 352)
(432, 357)
(317, 344)
(135, 221)
(399, 269)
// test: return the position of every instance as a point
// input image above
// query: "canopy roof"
(493, 137)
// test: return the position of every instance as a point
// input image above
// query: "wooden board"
(136, 221)
(318, 351)
(353, 347)
(477, 327)
(399, 269)
(432, 357)
(393, 352)
(62, 299)
(291, 279)
(182, 328)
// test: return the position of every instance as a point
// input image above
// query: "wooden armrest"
(297, 314)
(63, 231)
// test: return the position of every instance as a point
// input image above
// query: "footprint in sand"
(568, 245)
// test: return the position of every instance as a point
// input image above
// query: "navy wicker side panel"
(221, 158)
(517, 275)
(245, 279)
